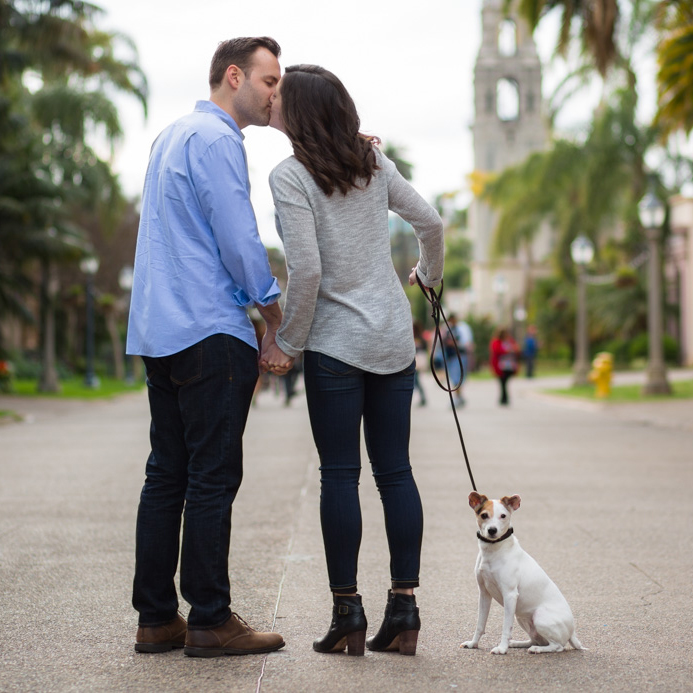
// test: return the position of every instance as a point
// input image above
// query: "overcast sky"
(408, 65)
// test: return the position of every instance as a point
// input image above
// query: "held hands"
(272, 358)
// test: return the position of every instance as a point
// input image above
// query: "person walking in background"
(458, 344)
(504, 354)
(530, 349)
(347, 312)
(199, 265)
(421, 360)
(290, 380)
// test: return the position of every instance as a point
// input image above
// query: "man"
(462, 344)
(199, 264)
(530, 350)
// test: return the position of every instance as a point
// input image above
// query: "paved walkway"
(607, 511)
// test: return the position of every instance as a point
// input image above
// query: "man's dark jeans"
(199, 400)
(339, 397)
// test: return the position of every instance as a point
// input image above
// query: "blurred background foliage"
(60, 200)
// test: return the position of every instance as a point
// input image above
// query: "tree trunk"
(116, 344)
(71, 331)
(48, 379)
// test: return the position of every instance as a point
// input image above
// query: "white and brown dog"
(508, 574)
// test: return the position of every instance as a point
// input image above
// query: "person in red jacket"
(504, 360)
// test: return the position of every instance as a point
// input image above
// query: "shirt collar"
(211, 107)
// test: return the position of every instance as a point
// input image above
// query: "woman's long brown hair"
(321, 121)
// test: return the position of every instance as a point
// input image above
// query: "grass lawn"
(75, 388)
(6, 415)
(682, 389)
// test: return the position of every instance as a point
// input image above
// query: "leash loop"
(434, 298)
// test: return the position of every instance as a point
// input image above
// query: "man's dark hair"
(239, 52)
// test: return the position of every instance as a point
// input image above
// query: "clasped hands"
(273, 359)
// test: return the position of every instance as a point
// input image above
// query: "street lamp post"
(90, 266)
(652, 212)
(125, 279)
(500, 287)
(582, 252)
(519, 317)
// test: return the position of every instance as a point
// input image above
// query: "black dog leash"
(434, 298)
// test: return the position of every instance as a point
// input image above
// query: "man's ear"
(234, 76)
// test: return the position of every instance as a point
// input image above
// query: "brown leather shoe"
(235, 637)
(161, 638)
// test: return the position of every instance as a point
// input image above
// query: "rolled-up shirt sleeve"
(296, 227)
(221, 180)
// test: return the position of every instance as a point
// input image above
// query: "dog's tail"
(576, 643)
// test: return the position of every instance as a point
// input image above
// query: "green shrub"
(619, 349)
(638, 348)
(25, 367)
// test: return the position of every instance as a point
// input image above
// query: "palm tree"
(77, 68)
(601, 193)
(579, 188)
(675, 76)
(598, 21)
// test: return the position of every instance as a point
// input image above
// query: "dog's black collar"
(495, 541)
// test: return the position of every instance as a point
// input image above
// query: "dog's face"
(493, 516)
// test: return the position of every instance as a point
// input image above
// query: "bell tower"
(508, 126)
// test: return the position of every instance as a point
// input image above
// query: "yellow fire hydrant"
(600, 375)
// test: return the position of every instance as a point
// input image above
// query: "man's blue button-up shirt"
(199, 261)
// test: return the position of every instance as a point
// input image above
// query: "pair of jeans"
(503, 380)
(199, 400)
(340, 396)
(454, 359)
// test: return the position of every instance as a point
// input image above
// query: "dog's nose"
(492, 531)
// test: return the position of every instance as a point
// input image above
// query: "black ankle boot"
(348, 627)
(401, 625)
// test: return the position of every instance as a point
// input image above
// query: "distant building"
(509, 125)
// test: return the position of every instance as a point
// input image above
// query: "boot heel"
(348, 627)
(356, 643)
(407, 642)
(400, 628)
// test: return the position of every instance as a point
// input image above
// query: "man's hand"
(272, 358)
(412, 277)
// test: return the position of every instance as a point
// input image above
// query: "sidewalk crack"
(645, 598)
(302, 496)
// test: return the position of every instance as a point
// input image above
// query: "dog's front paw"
(470, 645)
(500, 649)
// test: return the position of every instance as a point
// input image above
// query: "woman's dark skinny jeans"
(339, 397)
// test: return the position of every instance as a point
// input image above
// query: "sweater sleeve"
(296, 227)
(427, 224)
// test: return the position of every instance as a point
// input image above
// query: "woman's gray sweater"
(344, 298)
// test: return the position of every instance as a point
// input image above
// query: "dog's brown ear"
(511, 502)
(476, 500)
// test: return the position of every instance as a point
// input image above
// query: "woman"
(347, 313)
(504, 361)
